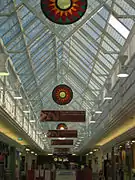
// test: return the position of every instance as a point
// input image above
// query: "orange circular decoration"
(64, 11)
(62, 94)
(62, 126)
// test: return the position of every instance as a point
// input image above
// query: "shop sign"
(61, 142)
(65, 116)
(62, 133)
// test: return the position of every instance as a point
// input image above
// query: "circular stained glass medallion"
(62, 94)
(64, 11)
(61, 126)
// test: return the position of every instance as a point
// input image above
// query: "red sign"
(61, 142)
(62, 133)
(66, 116)
(61, 150)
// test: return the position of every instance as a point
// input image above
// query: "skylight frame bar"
(106, 39)
(13, 25)
(75, 78)
(40, 47)
(77, 62)
(48, 39)
(79, 55)
(23, 61)
(131, 3)
(110, 24)
(106, 33)
(108, 64)
(72, 84)
(80, 47)
(7, 5)
(23, 10)
(115, 14)
(101, 4)
(92, 83)
(36, 64)
(52, 66)
(11, 47)
(97, 59)
(35, 55)
(87, 24)
(98, 79)
(72, 50)
(28, 31)
(42, 19)
(27, 51)
(38, 37)
(83, 65)
(90, 38)
(76, 70)
(86, 43)
(28, 80)
(102, 48)
(9, 33)
(81, 70)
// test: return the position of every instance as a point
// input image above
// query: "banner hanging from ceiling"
(62, 133)
(64, 12)
(61, 150)
(65, 116)
(61, 142)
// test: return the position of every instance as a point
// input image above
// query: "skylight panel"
(118, 26)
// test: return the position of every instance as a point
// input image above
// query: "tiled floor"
(65, 175)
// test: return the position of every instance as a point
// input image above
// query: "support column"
(12, 162)
(113, 165)
(4, 92)
(81, 159)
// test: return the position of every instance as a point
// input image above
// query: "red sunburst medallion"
(62, 94)
(64, 11)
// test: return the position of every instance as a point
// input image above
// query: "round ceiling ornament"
(62, 94)
(64, 11)
(62, 126)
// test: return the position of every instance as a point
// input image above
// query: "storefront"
(123, 161)
(4, 154)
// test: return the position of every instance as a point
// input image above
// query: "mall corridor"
(67, 89)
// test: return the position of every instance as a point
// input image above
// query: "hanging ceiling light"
(91, 152)
(27, 149)
(108, 95)
(3, 64)
(98, 109)
(62, 126)
(123, 72)
(107, 98)
(39, 133)
(98, 112)
(92, 120)
(62, 138)
(18, 95)
(26, 111)
(32, 121)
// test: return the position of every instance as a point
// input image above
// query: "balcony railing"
(15, 110)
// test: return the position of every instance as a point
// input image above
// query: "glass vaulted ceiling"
(81, 55)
